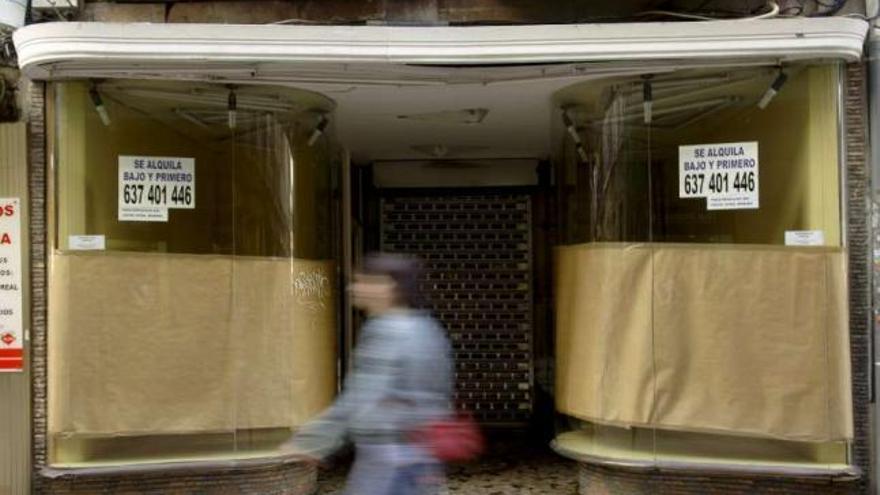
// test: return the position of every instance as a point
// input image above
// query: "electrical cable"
(57, 10)
(7, 51)
(832, 8)
(681, 15)
(771, 4)
(799, 10)
(297, 22)
(774, 11)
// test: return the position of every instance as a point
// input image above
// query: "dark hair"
(403, 270)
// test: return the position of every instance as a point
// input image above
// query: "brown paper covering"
(744, 340)
(170, 343)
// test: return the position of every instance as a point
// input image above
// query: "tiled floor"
(509, 468)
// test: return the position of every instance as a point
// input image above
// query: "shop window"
(701, 290)
(193, 274)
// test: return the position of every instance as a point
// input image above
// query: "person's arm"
(374, 370)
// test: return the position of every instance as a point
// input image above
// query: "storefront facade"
(192, 203)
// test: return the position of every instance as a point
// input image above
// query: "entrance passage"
(477, 281)
(512, 465)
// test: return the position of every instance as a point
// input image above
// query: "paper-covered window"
(701, 308)
(193, 276)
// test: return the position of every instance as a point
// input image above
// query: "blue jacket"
(401, 378)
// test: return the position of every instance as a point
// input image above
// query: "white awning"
(267, 53)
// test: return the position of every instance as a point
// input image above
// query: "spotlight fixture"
(647, 101)
(569, 126)
(582, 152)
(98, 102)
(319, 130)
(572, 131)
(773, 89)
(232, 108)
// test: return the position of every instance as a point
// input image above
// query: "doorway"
(477, 279)
(487, 279)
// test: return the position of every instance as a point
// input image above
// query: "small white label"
(86, 242)
(151, 185)
(726, 174)
(804, 238)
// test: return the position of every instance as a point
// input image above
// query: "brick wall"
(37, 190)
(268, 479)
(597, 480)
(858, 242)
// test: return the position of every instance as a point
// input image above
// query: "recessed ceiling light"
(463, 116)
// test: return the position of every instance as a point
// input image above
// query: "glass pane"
(750, 343)
(194, 284)
(284, 270)
(605, 378)
(721, 270)
(134, 300)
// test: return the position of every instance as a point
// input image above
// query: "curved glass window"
(193, 275)
(701, 312)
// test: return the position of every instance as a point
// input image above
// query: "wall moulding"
(62, 50)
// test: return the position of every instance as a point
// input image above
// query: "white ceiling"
(522, 106)
(366, 117)
(516, 126)
(523, 114)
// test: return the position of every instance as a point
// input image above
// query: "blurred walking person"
(400, 383)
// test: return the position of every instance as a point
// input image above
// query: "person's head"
(385, 282)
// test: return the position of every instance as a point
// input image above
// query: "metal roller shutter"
(478, 282)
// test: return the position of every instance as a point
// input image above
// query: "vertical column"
(37, 178)
(857, 237)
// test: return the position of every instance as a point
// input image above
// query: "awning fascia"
(59, 50)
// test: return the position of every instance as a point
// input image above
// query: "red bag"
(452, 440)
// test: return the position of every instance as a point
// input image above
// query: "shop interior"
(595, 308)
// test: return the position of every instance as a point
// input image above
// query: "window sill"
(255, 460)
(606, 451)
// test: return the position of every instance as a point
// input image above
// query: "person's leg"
(417, 479)
(370, 475)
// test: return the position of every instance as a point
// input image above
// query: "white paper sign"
(726, 174)
(86, 242)
(151, 185)
(11, 332)
(804, 238)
